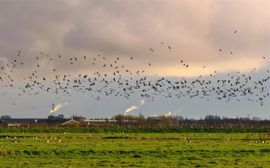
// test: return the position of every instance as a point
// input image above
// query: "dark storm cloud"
(119, 28)
(195, 30)
(251, 21)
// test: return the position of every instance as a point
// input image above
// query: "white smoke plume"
(58, 107)
(132, 108)
(142, 102)
(168, 114)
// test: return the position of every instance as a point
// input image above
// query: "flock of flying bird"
(111, 77)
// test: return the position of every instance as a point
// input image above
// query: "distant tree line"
(210, 123)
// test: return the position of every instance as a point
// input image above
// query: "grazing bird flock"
(111, 77)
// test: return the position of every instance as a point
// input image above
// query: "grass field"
(134, 150)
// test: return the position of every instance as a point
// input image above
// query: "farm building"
(70, 123)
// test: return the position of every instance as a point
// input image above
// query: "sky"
(195, 31)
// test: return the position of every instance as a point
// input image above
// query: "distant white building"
(256, 118)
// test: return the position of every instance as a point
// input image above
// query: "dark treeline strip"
(71, 153)
(139, 124)
(132, 130)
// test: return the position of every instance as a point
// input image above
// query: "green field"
(134, 150)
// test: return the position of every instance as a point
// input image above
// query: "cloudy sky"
(196, 31)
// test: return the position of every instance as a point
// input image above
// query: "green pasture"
(134, 150)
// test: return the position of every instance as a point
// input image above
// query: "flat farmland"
(134, 150)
